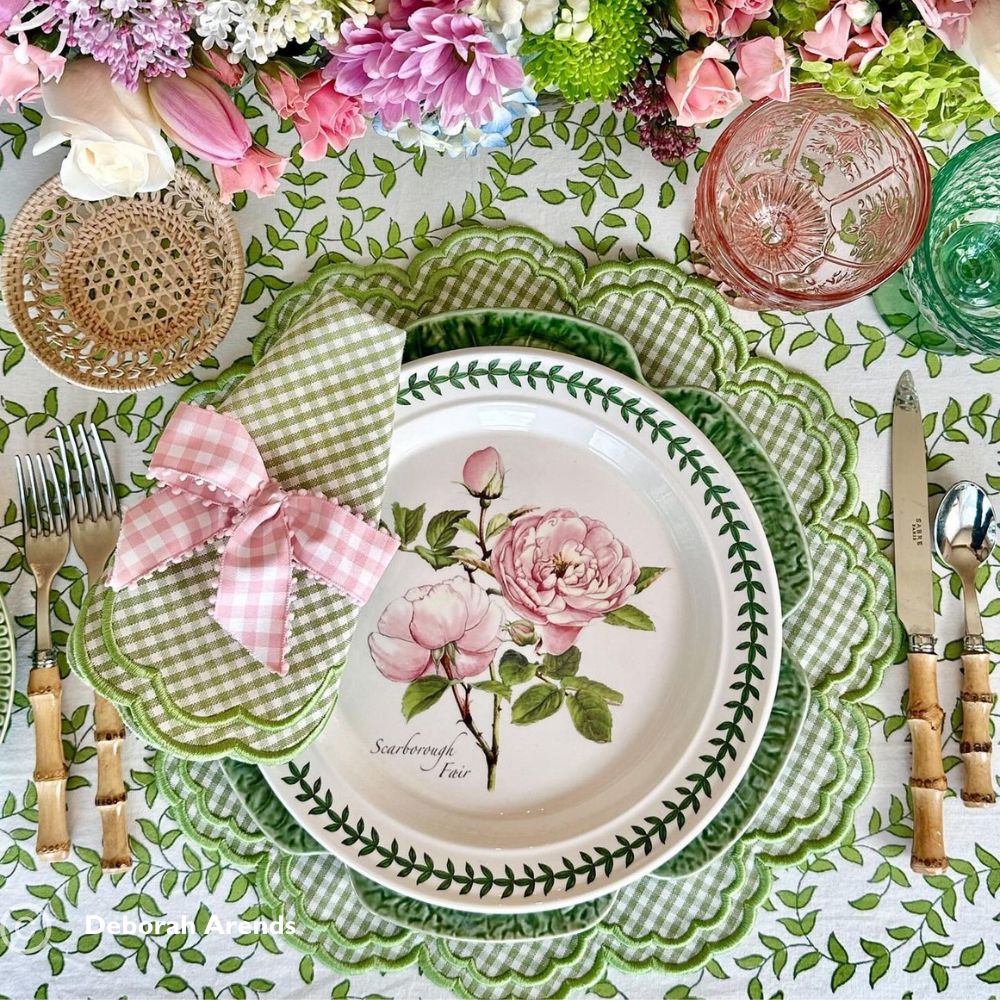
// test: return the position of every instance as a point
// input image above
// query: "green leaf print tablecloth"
(813, 901)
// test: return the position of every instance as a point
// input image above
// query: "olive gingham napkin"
(320, 409)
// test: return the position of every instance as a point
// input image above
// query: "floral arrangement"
(533, 581)
(122, 80)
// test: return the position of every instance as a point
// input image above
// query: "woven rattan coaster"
(125, 293)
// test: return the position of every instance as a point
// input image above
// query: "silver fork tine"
(41, 510)
(88, 503)
(27, 525)
(73, 501)
(109, 479)
(60, 516)
(94, 482)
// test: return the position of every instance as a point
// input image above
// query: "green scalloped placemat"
(682, 333)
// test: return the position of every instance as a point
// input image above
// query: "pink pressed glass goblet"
(811, 203)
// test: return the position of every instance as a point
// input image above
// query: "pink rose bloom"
(23, 69)
(482, 474)
(837, 38)
(281, 89)
(456, 620)
(200, 117)
(259, 172)
(561, 570)
(738, 15)
(702, 88)
(328, 118)
(366, 65)
(947, 19)
(454, 67)
(698, 15)
(218, 67)
(765, 69)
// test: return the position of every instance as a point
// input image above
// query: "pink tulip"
(702, 88)
(280, 87)
(23, 69)
(200, 117)
(328, 119)
(259, 172)
(218, 67)
(455, 623)
(482, 474)
(562, 570)
(765, 69)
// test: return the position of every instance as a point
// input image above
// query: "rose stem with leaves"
(491, 754)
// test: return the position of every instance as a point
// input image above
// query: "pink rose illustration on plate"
(562, 570)
(455, 624)
(500, 640)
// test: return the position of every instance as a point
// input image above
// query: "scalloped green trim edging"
(138, 713)
(365, 839)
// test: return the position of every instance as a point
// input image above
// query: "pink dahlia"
(399, 11)
(454, 67)
(562, 570)
(366, 65)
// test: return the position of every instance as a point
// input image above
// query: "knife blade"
(915, 608)
(912, 525)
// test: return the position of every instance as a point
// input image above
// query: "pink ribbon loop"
(214, 484)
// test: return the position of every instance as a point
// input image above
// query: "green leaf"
(808, 961)
(537, 703)
(566, 664)
(498, 688)
(841, 975)
(438, 558)
(837, 950)
(408, 522)
(648, 575)
(443, 527)
(630, 616)
(172, 984)
(515, 668)
(973, 954)
(867, 902)
(109, 963)
(422, 693)
(591, 715)
(990, 975)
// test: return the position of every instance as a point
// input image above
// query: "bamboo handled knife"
(913, 543)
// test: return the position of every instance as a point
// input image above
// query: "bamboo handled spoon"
(965, 531)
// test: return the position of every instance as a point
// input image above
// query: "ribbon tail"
(255, 584)
(162, 528)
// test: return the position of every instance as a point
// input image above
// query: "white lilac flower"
(508, 18)
(257, 29)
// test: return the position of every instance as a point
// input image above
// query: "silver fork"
(95, 523)
(46, 544)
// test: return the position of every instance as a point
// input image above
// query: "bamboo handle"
(45, 695)
(109, 734)
(977, 744)
(927, 780)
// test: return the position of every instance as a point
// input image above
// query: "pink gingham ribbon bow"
(214, 484)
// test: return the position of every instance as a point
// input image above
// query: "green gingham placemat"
(683, 333)
(320, 409)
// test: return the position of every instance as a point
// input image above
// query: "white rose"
(116, 147)
(982, 48)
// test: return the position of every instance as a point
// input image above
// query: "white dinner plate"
(565, 671)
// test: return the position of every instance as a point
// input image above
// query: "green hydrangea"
(792, 17)
(916, 77)
(598, 69)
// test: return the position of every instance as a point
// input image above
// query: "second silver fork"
(95, 523)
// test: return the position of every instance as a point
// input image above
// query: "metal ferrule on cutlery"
(915, 608)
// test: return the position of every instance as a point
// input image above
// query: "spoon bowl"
(965, 528)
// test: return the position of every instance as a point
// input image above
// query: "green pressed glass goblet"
(954, 276)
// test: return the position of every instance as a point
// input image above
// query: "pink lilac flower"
(455, 68)
(366, 65)
(136, 39)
